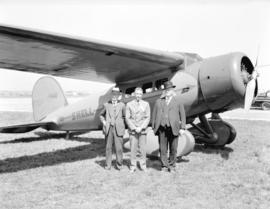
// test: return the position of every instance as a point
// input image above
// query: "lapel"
(172, 102)
(163, 103)
(110, 109)
(141, 107)
(135, 107)
(118, 106)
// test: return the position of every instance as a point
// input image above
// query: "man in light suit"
(168, 121)
(137, 118)
(112, 117)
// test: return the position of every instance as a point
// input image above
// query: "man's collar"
(163, 95)
(135, 100)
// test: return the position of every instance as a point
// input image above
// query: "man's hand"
(138, 130)
(104, 123)
(182, 131)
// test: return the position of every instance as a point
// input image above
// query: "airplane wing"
(92, 60)
(25, 127)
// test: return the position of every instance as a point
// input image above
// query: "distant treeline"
(26, 94)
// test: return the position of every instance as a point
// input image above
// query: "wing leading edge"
(93, 60)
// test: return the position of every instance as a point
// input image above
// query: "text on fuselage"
(84, 113)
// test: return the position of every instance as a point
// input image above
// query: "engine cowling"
(223, 80)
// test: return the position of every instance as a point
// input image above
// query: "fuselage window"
(130, 90)
(159, 83)
(147, 87)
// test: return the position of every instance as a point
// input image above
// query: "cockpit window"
(147, 87)
(159, 83)
(130, 90)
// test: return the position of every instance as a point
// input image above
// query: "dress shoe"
(132, 170)
(165, 169)
(172, 169)
(119, 167)
(107, 167)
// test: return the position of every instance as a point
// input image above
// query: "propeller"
(252, 87)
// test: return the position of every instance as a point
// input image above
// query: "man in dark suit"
(168, 121)
(112, 117)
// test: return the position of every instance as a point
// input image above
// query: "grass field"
(44, 170)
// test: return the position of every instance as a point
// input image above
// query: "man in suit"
(112, 117)
(168, 121)
(137, 118)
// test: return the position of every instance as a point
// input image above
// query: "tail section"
(47, 96)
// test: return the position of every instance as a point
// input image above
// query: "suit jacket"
(106, 115)
(137, 115)
(177, 115)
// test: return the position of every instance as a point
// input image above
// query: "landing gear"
(213, 131)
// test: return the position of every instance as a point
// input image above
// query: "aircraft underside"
(213, 131)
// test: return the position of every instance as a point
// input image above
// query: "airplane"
(211, 85)
(262, 101)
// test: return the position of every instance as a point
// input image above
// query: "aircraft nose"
(224, 80)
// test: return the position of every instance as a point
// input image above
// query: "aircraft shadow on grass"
(224, 152)
(151, 161)
(96, 147)
(93, 149)
(40, 137)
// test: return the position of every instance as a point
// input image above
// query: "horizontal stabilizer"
(25, 127)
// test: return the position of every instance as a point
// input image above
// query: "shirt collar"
(163, 96)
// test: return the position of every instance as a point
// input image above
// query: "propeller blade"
(250, 89)
(256, 89)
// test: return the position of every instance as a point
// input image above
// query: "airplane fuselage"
(210, 85)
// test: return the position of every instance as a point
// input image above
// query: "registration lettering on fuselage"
(83, 113)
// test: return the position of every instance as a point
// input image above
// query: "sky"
(206, 27)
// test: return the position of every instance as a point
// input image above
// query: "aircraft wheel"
(232, 132)
(224, 133)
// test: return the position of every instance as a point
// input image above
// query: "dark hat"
(168, 85)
